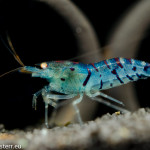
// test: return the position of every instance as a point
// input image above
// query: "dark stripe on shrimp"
(106, 64)
(87, 78)
(94, 67)
(118, 62)
(62, 79)
(114, 72)
(134, 68)
(130, 78)
(146, 67)
(75, 62)
(129, 59)
(59, 61)
(72, 69)
(101, 84)
(139, 76)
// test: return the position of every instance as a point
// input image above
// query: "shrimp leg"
(74, 103)
(37, 94)
(34, 99)
(93, 96)
(60, 97)
(46, 115)
(107, 97)
(52, 99)
(51, 96)
(53, 115)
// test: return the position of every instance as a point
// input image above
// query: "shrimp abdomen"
(117, 71)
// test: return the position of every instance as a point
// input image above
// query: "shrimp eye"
(44, 65)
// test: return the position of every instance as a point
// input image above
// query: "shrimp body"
(64, 76)
(73, 79)
(115, 72)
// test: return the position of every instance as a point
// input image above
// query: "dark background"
(39, 34)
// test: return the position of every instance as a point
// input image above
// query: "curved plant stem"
(82, 29)
(86, 40)
(124, 42)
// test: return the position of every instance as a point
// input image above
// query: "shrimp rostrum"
(73, 80)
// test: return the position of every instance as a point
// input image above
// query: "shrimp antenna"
(12, 50)
(11, 71)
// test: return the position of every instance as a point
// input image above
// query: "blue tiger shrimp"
(73, 80)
